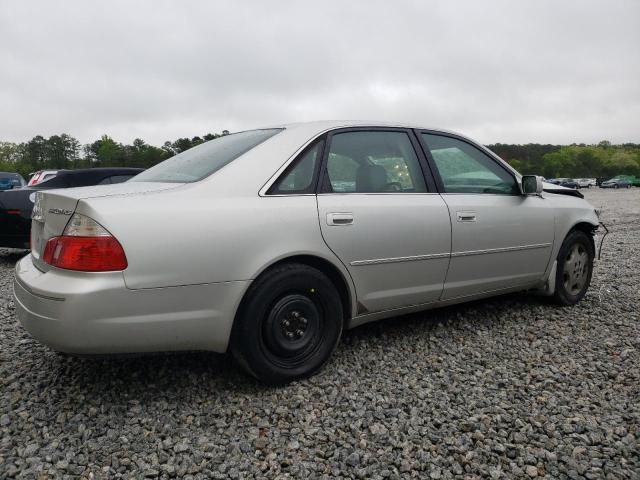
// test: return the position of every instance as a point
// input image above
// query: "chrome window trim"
(386, 194)
(289, 195)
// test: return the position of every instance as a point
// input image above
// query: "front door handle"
(466, 216)
(339, 218)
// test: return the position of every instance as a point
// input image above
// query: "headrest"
(371, 179)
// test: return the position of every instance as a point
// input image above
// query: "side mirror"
(531, 185)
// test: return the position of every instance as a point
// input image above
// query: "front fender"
(570, 213)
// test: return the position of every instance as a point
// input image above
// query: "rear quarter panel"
(191, 236)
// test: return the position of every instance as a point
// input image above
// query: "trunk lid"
(52, 210)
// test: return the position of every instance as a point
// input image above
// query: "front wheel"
(289, 324)
(574, 268)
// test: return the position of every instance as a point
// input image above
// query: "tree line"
(573, 161)
(64, 151)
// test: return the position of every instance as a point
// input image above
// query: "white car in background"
(270, 242)
(41, 176)
(586, 182)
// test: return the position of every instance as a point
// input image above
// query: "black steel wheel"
(289, 324)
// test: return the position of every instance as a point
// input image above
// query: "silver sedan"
(270, 242)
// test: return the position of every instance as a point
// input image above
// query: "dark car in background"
(16, 204)
(620, 181)
(11, 180)
(567, 182)
(41, 176)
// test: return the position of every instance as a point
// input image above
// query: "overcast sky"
(499, 71)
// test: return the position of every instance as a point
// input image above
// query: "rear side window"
(465, 169)
(201, 161)
(299, 178)
(373, 162)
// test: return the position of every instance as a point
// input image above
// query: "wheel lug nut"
(299, 333)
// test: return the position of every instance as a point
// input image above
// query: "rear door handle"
(339, 218)
(466, 216)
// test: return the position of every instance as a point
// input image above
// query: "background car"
(41, 176)
(16, 205)
(620, 181)
(11, 180)
(567, 182)
(586, 182)
(270, 242)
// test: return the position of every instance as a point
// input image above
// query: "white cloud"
(527, 71)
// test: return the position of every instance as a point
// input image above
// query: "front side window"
(373, 162)
(465, 169)
(201, 161)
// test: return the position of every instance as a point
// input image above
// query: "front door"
(377, 215)
(500, 238)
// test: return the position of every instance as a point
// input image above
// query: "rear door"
(382, 217)
(500, 238)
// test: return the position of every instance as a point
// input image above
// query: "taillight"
(85, 245)
(34, 179)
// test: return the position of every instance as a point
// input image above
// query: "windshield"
(201, 161)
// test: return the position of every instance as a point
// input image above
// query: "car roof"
(98, 170)
(84, 176)
(324, 125)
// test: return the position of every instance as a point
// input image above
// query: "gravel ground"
(506, 388)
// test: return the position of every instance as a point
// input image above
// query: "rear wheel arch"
(324, 266)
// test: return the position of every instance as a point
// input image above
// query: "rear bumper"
(84, 313)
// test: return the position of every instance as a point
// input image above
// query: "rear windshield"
(10, 180)
(201, 161)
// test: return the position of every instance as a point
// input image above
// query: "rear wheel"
(574, 269)
(289, 324)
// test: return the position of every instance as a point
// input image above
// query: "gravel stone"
(510, 387)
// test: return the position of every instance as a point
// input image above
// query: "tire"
(288, 325)
(616, 186)
(574, 269)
